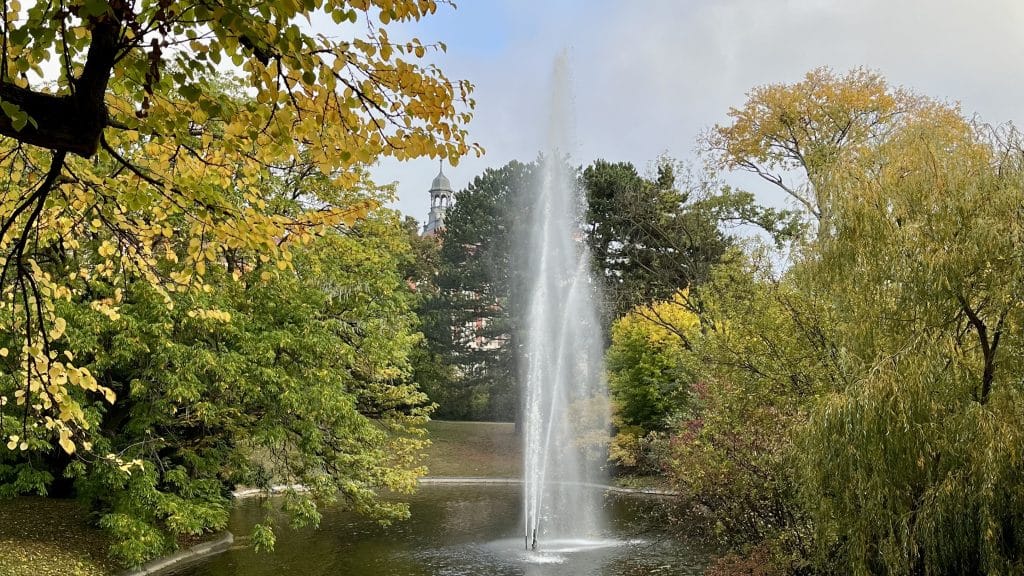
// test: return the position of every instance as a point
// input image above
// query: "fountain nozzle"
(534, 545)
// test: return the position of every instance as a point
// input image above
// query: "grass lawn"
(41, 537)
(484, 449)
(492, 450)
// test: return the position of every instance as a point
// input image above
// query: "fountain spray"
(561, 368)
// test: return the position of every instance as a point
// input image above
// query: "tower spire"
(441, 198)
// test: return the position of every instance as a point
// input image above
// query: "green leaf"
(93, 8)
(190, 92)
(19, 119)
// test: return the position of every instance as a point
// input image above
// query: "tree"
(648, 238)
(650, 380)
(795, 136)
(648, 377)
(478, 283)
(302, 377)
(651, 238)
(135, 158)
(860, 412)
(646, 244)
(914, 465)
(762, 355)
(431, 368)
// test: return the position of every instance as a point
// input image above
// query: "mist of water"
(562, 370)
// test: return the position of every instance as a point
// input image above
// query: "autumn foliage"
(859, 406)
(168, 167)
(138, 156)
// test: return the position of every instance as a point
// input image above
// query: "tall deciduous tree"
(928, 428)
(134, 140)
(862, 413)
(297, 378)
(796, 136)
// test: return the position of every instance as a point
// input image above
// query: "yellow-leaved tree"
(795, 136)
(150, 138)
(651, 376)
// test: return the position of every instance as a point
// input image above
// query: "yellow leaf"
(59, 326)
(107, 249)
(66, 443)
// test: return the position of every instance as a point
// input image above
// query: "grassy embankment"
(475, 449)
(43, 537)
(493, 450)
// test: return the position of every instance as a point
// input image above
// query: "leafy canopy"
(795, 136)
(648, 376)
(860, 413)
(653, 236)
(128, 150)
(915, 465)
(303, 378)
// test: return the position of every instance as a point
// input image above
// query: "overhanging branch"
(71, 123)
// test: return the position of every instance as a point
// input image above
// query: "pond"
(461, 530)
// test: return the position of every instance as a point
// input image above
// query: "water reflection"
(460, 530)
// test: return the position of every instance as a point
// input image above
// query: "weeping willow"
(916, 464)
(907, 478)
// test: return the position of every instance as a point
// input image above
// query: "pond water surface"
(461, 530)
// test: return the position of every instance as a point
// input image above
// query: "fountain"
(570, 526)
(561, 368)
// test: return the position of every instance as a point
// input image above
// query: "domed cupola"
(441, 198)
(440, 183)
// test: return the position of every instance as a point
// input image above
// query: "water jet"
(562, 371)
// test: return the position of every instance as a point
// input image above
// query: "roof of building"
(441, 182)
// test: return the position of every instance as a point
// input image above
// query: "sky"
(649, 76)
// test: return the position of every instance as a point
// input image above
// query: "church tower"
(441, 198)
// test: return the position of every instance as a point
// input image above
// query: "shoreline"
(181, 558)
(226, 539)
(245, 493)
(428, 480)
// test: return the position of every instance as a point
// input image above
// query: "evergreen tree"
(478, 285)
